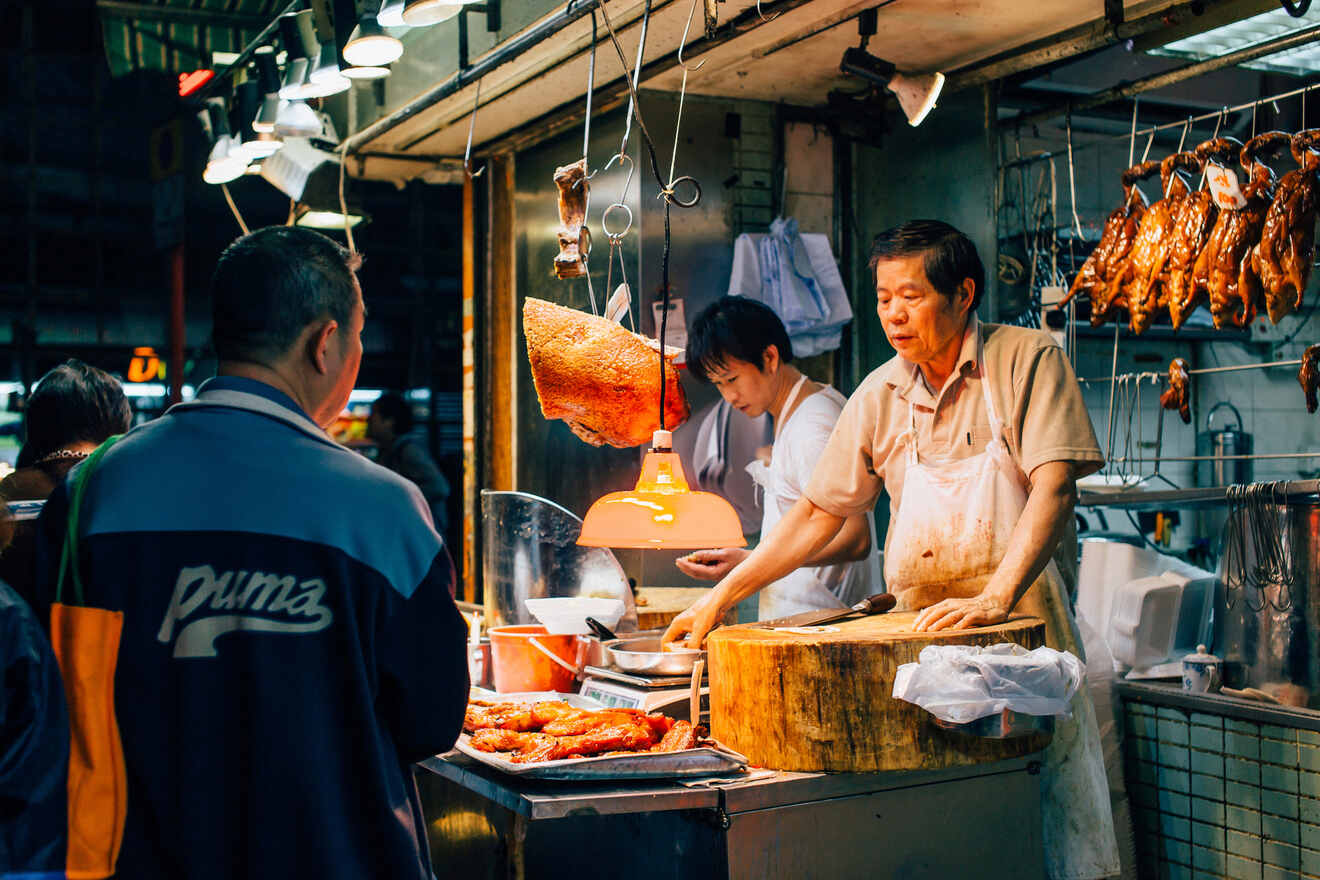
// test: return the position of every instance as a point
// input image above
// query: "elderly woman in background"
(73, 409)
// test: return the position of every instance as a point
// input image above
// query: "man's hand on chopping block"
(961, 614)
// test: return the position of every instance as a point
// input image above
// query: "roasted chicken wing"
(1309, 376)
(1178, 395)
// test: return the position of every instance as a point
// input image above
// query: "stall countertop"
(538, 799)
(1174, 696)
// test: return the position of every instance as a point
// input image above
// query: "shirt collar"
(905, 377)
(253, 386)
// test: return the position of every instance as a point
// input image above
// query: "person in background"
(403, 449)
(290, 647)
(741, 347)
(34, 744)
(72, 410)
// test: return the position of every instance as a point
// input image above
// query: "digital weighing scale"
(666, 693)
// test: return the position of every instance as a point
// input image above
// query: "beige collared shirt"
(1035, 394)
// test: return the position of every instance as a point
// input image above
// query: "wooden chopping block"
(657, 606)
(821, 700)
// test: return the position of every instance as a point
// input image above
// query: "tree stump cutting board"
(820, 700)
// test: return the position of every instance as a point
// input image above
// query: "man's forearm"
(803, 532)
(1036, 535)
(853, 542)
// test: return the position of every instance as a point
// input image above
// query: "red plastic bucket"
(527, 658)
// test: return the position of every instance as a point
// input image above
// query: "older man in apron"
(978, 432)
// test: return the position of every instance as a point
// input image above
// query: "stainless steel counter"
(787, 825)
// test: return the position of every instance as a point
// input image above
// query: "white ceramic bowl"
(568, 615)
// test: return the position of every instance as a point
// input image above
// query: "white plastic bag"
(961, 683)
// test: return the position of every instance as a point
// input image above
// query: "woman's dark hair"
(72, 403)
(949, 255)
(738, 328)
(392, 406)
(270, 284)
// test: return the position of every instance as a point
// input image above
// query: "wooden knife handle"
(877, 604)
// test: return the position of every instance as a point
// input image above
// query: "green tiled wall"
(1216, 797)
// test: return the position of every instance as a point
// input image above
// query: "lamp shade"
(268, 76)
(661, 512)
(296, 119)
(391, 14)
(225, 162)
(366, 72)
(324, 78)
(370, 46)
(417, 13)
(916, 94)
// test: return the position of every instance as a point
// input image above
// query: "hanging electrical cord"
(666, 189)
(224, 187)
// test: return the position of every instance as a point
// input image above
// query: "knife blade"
(877, 604)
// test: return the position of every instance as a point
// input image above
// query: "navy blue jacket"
(290, 645)
(34, 747)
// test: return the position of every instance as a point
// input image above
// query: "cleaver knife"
(877, 604)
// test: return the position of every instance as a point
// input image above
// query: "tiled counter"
(1221, 787)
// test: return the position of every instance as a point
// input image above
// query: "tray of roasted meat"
(572, 738)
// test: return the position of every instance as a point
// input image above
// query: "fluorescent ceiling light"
(1298, 61)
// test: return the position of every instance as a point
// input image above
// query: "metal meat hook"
(764, 18)
(467, 151)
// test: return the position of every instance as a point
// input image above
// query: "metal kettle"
(1216, 469)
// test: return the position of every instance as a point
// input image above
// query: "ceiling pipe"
(263, 38)
(1167, 78)
(607, 95)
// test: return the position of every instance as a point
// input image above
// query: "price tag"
(1224, 187)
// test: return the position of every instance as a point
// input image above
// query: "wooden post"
(178, 326)
(471, 509)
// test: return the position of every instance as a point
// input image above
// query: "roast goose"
(599, 378)
(1177, 396)
(1224, 273)
(1115, 241)
(1192, 226)
(1287, 242)
(1135, 284)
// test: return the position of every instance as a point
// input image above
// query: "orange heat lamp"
(661, 512)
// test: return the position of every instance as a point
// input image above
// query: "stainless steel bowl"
(1002, 725)
(641, 653)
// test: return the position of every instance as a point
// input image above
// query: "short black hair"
(392, 406)
(271, 284)
(73, 403)
(949, 255)
(735, 327)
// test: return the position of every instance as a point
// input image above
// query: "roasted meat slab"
(567, 732)
(598, 377)
(1287, 243)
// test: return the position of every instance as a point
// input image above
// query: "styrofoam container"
(1144, 624)
(567, 615)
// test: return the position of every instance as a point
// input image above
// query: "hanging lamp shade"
(391, 14)
(419, 13)
(370, 46)
(268, 76)
(661, 512)
(369, 72)
(324, 77)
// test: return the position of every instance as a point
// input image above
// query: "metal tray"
(689, 763)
